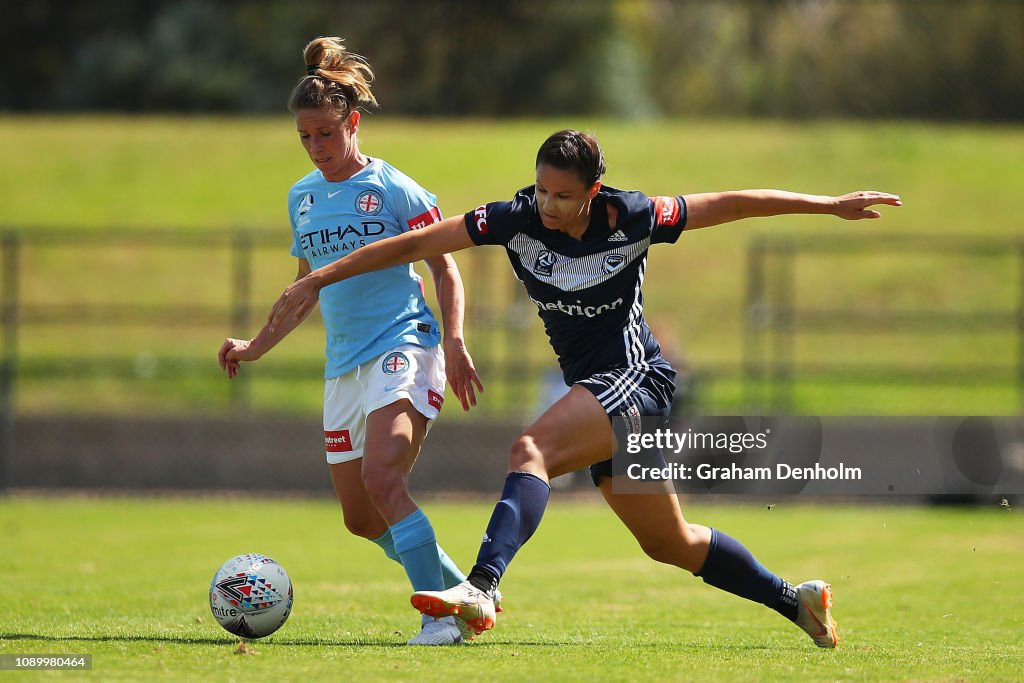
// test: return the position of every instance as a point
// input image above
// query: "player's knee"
(696, 539)
(661, 551)
(382, 484)
(364, 527)
(525, 455)
(685, 549)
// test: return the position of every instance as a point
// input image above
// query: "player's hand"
(458, 365)
(297, 300)
(233, 352)
(854, 206)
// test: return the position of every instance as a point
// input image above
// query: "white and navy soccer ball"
(251, 595)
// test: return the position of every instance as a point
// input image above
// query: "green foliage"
(921, 594)
(942, 59)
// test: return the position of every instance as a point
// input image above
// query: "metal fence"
(82, 309)
(85, 307)
(8, 358)
(971, 287)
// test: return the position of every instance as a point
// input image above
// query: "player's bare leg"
(364, 520)
(394, 436)
(573, 433)
(361, 516)
(657, 523)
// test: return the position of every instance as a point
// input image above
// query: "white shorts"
(407, 371)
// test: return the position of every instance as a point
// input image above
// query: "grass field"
(921, 594)
(208, 175)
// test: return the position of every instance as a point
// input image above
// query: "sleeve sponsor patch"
(435, 399)
(424, 219)
(666, 210)
(480, 218)
(338, 441)
(497, 222)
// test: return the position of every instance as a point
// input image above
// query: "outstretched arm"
(434, 240)
(451, 298)
(714, 208)
(233, 352)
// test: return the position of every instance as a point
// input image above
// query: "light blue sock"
(450, 572)
(416, 545)
(387, 544)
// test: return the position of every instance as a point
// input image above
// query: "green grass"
(205, 175)
(921, 594)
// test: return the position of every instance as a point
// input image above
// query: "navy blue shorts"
(627, 395)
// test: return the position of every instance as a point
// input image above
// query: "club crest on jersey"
(612, 262)
(395, 363)
(545, 262)
(369, 202)
(304, 207)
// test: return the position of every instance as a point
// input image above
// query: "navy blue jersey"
(588, 291)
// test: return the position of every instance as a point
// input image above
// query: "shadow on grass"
(187, 640)
(703, 645)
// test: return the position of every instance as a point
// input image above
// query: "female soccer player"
(580, 248)
(385, 372)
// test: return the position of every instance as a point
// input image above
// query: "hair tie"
(311, 69)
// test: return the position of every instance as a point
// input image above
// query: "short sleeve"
(292, 209)
(413, 206)
(669, 218)
(497, 222)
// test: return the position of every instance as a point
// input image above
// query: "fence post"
(756, 316)
(783, 322)
(1020, 327)
(8, 361)
(241, 310)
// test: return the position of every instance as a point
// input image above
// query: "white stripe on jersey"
(573, 273)
(628, 382)
(620, 389)
(631, 377)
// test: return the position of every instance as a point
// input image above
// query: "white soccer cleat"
(472, 605)
(465, 629)
(442, 631)
(814, 600)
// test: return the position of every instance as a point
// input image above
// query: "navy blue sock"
(516, 516)
(732, 568)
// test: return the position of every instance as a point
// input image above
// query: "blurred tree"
(187, 59)
(941, 59)
(38, 41)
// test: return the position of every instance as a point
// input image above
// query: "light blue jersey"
(369, 314)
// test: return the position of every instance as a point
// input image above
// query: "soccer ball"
(251, 595)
